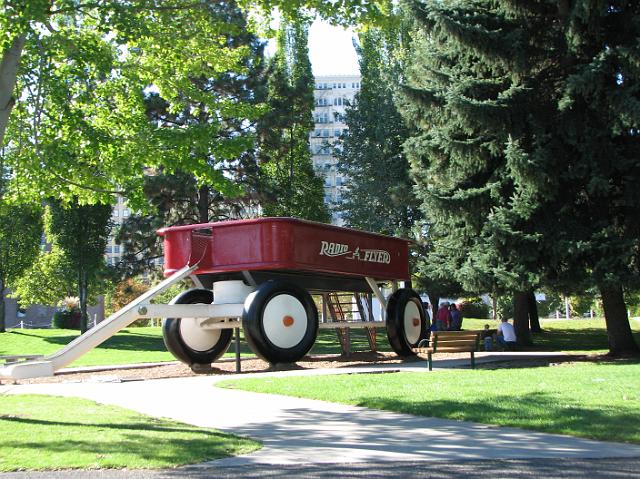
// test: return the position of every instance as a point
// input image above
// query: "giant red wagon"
(276, 264)
(260, 275)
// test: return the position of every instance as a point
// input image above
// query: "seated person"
(456, 318)
(487, 338)
(506, 335)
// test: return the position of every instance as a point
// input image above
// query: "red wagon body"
(284, 244)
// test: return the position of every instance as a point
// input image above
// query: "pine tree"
(291, 186)
(523, 143)
(598, 115)
(379, 191)
(464, 90)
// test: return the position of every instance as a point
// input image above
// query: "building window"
(116, 213)
(321, 117)
(125, 213)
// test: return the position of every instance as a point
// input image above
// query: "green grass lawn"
(45, 432)
(592, 400)
(144, 345)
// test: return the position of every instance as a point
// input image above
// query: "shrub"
(68, 316)
(474, 308)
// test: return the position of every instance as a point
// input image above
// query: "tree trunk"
(534, 319)
(435, 299)
(3, 323)
(82, 296)
(8, 76)
(621, 342)
(521, 318)
(203, 204)
(494, 304)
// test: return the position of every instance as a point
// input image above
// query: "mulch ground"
(253, 365)
(223, 367)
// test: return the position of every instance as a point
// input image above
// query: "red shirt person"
(443, 317)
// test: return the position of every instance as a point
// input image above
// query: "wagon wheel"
(280, 322)
(187, 341)
(406, 321)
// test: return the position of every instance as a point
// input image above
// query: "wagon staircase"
(340, 307)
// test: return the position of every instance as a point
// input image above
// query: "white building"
(120, 212)
(332, 94)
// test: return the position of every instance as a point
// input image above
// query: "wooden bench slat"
(455, 334)
(465, 349)
(463, 343)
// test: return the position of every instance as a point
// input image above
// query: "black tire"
(280, 322)
(407, 323)
(194, 346)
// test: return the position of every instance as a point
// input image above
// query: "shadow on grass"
(538, 411)
(151, 425)
(586, 339)
(125, 341)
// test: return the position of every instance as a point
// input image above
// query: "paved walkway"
(302, 431)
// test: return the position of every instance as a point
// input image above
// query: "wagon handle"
(201, 243)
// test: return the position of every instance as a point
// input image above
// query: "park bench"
(449, 342)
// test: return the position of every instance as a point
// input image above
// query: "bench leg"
(429, 361)
(473, 360)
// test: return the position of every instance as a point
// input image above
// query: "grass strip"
(46, 432)
(592, 400)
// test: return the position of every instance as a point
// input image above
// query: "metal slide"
(93, 337)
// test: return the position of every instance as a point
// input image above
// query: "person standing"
(443, 317)
(456, 318)
(506, 335)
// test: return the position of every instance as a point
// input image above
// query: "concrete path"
(302, 431)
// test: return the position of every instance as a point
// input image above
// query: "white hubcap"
(285, 321)
(197, 338)
(412, 322)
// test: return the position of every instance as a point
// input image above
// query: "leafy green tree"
(291, 185)
(20, 236)
(81, 231)
(379, 194)
(80, 128)
(528, 146)
(180, 197)
(73, 74)
(47, 281)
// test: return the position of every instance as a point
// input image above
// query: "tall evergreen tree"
(292, 187)
(598, 113)
(528, 145)
(379, 191)
(466, 97)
